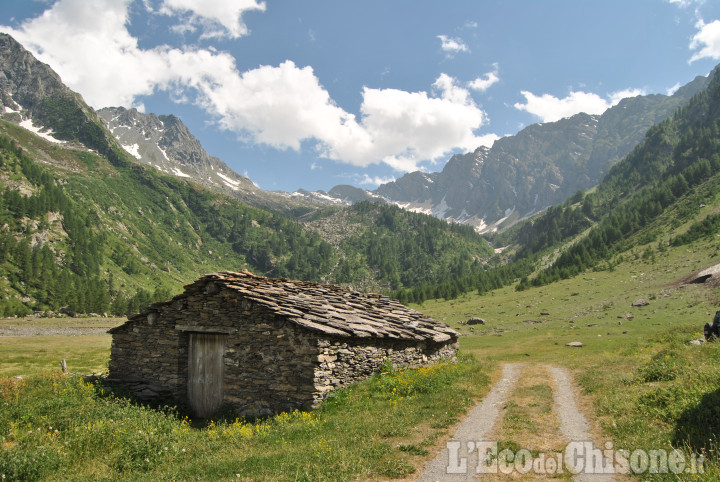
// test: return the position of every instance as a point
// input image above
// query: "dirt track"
(459, 461)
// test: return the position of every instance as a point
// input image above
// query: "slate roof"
(330, 309)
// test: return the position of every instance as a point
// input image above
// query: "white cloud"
(218, 18)
(88, 45)
(486, 81)
(550, 108)
(487, 140)
(674, 88)
(279, 106)
(451, 92)
(375, 181)
(686, 3)
(409, 127)
(452, 45)
(616, 97)
(283, 106)
(707, 40)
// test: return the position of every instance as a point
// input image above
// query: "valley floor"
(637, 382)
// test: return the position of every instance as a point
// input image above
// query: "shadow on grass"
(699, 426)
(164, 402)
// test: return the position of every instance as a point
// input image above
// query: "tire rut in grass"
(478, 425)
(573, 424)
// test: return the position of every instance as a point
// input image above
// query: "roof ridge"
(327, 308)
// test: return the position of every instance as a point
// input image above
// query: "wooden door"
(205, 372)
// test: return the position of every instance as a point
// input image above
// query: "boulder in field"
(475, 321)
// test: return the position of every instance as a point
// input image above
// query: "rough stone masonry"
(262, 345)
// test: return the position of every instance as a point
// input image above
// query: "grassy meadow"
(60, 427)
(641, 380)
(54, 339)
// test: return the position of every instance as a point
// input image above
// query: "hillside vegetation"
(78, 231)
(664, 183)
(99, 232)
(641, 380)
(81, 232)
(396, 249)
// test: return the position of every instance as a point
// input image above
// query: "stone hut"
(262, 345)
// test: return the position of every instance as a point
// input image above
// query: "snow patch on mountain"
(40, 131)
(179, 173)
(229, 182)
(134, 150)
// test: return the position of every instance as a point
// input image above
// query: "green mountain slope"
(657, 195)
(661, 185)
(79, 231)
(385, 247)
(84, 225)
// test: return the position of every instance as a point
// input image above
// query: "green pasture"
(647, 387)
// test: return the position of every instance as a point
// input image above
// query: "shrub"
(663, 367)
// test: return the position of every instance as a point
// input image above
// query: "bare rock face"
(165, 143)
(24, 81)
(710, 274)
(33, 95)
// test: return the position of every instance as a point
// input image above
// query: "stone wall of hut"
(344, 361)
(268, 362)
(271, 364)
(150, 358)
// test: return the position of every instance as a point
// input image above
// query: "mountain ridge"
(86, 226)
(540, 166)
(518, 176)
(165, 143)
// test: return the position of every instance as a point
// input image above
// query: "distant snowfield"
(134, 150)
(27, 124)
(229, 182)
(179, 173)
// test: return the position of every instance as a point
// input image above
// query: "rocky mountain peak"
(24, 81)
(540, 166)
(165, 143)
(34, 96)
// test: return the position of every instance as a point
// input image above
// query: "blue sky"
(311, 94)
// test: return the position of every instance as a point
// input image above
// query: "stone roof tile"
(331, 309)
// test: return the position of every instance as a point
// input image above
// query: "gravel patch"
(54, 331)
